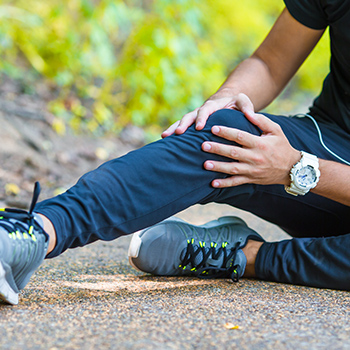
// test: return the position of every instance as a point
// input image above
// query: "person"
(290, 171)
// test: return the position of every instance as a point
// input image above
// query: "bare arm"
(259, 79)
(334, 182)
(264, 75)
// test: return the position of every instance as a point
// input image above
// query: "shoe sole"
(136, 241)
(7, 294)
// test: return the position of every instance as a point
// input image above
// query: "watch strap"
(306, 159)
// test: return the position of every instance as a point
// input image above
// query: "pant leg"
(316, 262)
(165, 177)
(137, 190)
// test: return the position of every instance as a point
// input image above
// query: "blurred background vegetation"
(109, 63)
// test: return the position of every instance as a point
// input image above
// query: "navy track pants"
(156, 181)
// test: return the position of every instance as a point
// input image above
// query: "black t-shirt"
(333, 104)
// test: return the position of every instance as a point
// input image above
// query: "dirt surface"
(90, 298)
(31, 151)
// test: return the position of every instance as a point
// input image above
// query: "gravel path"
(90, 298)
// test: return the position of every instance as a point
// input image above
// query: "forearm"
(334, 182)
(259, 79)
(263, 76)
(253, 78)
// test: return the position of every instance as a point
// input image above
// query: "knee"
(232, 119)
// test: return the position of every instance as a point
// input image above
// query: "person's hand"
(265, 159)
(222, 99)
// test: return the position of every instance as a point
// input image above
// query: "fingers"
(264, 123)
(230, 168)
(240, 102)
(182, 125)
(171, 129)
(240, 173)
(230, 181)
(241, 137)
(244, 104)
(204, 112)
(229, 151)
(199, 116)
(186, 121)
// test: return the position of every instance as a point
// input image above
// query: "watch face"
(306, 177)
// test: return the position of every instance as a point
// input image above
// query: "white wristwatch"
(304, 175)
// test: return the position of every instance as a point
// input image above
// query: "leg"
(163, 178)
(311, 217)
(134, 191)
(227, 248)
(51, 232)
(120, 197)
(155, 182)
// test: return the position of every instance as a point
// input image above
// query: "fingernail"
(198, 125)
(206, 147)
(216, 184)
(215, 129)
(209, 165)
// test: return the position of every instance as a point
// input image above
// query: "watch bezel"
(297, 178)
(296, 188)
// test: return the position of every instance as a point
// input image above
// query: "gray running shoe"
(23, 246)
(175, 248)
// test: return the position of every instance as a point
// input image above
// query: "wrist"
(228, 91)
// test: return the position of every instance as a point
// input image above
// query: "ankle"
(251, 251)
(50, 230)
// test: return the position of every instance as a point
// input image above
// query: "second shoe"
(176, 248)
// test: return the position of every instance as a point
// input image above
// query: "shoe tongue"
(215, 262)
(240, 260)
(210, 261)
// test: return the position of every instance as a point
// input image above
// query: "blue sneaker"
(175, 248)
(23, 247)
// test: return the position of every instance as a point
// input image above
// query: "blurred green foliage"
(147, 62)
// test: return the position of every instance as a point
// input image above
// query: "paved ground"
(90, 298)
